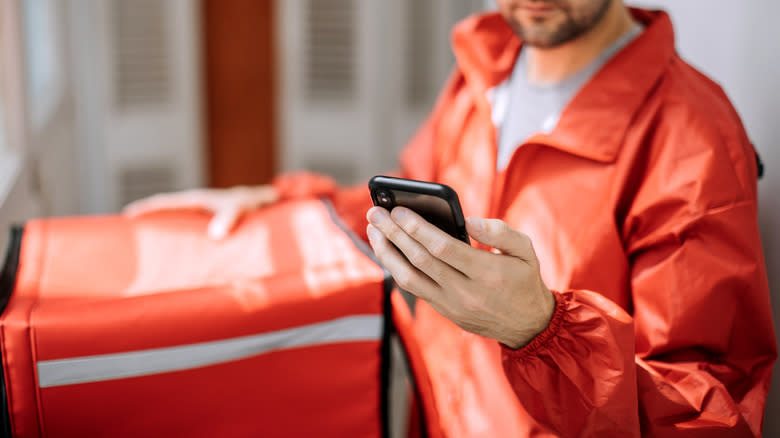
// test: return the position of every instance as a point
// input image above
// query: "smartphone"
(436, 203)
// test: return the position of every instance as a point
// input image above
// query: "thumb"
(497, 234)
(222, 222)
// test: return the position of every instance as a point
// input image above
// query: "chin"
(536, 35)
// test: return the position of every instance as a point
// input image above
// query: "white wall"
(738, 45)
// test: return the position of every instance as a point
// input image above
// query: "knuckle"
(420, 259)
(403, 279)
(441, 249)
(411, 226)
(393, 233)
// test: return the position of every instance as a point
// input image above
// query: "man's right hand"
(227, 205)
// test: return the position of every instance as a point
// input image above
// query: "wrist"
(535, 325)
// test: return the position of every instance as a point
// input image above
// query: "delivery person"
(625, 293)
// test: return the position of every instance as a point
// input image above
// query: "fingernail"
(373, 234)
(398, 213)
(377, 215)
(476, 223)
(217, 231)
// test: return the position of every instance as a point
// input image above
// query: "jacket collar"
(590, 126)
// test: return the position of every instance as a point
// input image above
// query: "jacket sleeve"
(694, 356)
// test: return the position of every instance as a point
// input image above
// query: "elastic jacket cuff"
(542, 339)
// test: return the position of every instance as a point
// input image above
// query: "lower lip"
(534, 9)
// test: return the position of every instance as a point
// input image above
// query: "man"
(625, 292)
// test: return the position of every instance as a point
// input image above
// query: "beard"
(571, 19)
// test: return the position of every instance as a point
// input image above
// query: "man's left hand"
(499, 294)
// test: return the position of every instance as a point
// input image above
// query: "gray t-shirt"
(521, 109)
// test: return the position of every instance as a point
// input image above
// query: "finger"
(266, 194)
(253, 197)
(147, 205)
(222, 222)
(497, 234)
(441, 245)
(405, 275)
(417, 255)
(190, 200)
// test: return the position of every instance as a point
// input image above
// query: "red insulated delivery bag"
(118, 327)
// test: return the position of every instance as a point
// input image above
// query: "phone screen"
(432, 208)
(436, 203)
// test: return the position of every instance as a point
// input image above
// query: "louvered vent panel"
(141, 53)
(420, 81)
(331, 49)
(343, 171)
(142, 181)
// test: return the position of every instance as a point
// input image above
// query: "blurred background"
(106, 101)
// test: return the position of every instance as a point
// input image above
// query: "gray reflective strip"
(88, 369)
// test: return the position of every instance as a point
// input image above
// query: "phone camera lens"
(384, 198)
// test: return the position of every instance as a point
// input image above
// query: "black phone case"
(452, 222)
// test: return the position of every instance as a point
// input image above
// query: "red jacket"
(641, 204)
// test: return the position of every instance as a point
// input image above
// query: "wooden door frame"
(240, 91)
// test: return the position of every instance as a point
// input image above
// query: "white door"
(18, 198)
(137, 82)
(358, 76)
